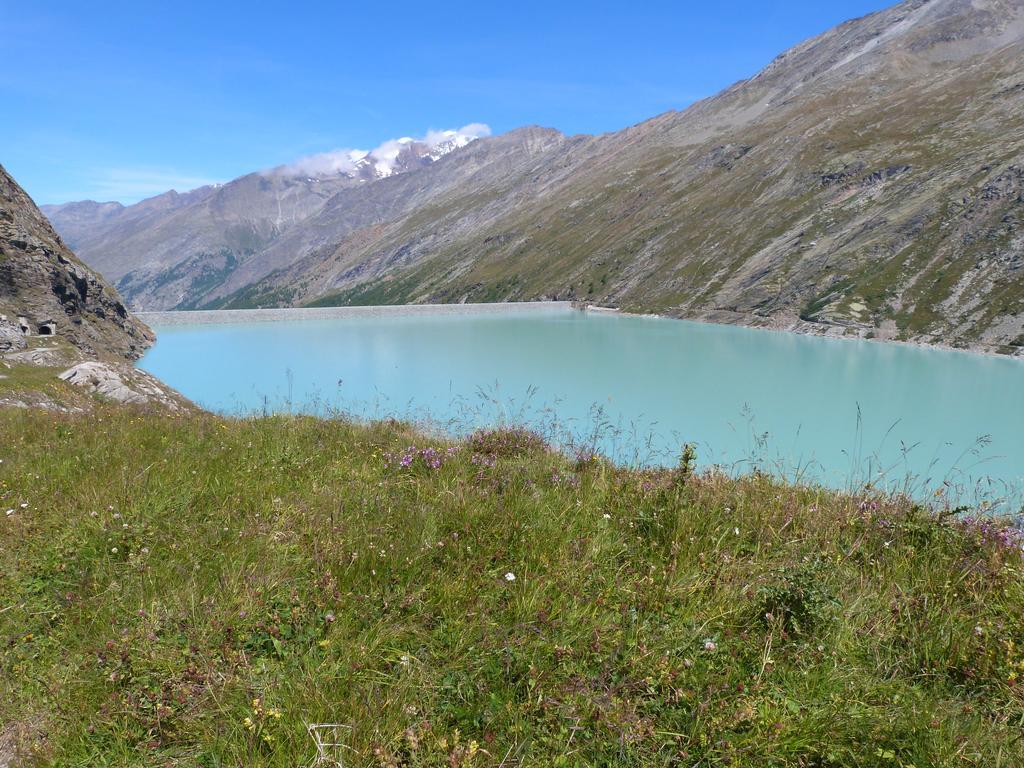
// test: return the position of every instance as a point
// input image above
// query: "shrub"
(506, 443)
(798, 601)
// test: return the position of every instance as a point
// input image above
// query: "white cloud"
(323, 164)
(344, 161)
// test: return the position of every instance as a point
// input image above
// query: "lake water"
(835, 411)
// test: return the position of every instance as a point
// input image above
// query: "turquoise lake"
(833, 411)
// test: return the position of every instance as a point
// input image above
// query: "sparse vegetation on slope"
(193, 590)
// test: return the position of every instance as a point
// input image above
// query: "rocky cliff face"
(868, 182)
(46, 291)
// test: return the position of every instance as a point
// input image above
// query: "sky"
(120, 101)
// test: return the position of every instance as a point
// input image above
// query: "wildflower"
(710, 645)
(324, 643)
(979, 631)
(10, 512)
(510, 577)
(329, 618)
(607, 516)
(24, 505)
(404, 659)
(113, 550)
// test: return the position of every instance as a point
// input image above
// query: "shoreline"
(820, 331)
(292, 314)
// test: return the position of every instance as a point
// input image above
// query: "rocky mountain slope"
(867, 182)
(46, 291)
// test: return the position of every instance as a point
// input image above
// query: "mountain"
(868, 182)
(171, 250)
(46, 291)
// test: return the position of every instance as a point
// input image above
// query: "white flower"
(113, 550)
(710, 645)
(607, 516)
(510, 576)
(736, 531)
(10, 512)
(404, 659)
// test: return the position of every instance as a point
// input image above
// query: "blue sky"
(119, 101)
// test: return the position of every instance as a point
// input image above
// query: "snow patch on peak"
(385, 160)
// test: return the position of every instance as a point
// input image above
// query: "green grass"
(193, 591)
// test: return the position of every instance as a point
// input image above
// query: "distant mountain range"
(868, 182)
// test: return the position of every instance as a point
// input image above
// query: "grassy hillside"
(195, 591)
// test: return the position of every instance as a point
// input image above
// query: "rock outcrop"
(46, 291)
(122, 384)
(12, 336)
